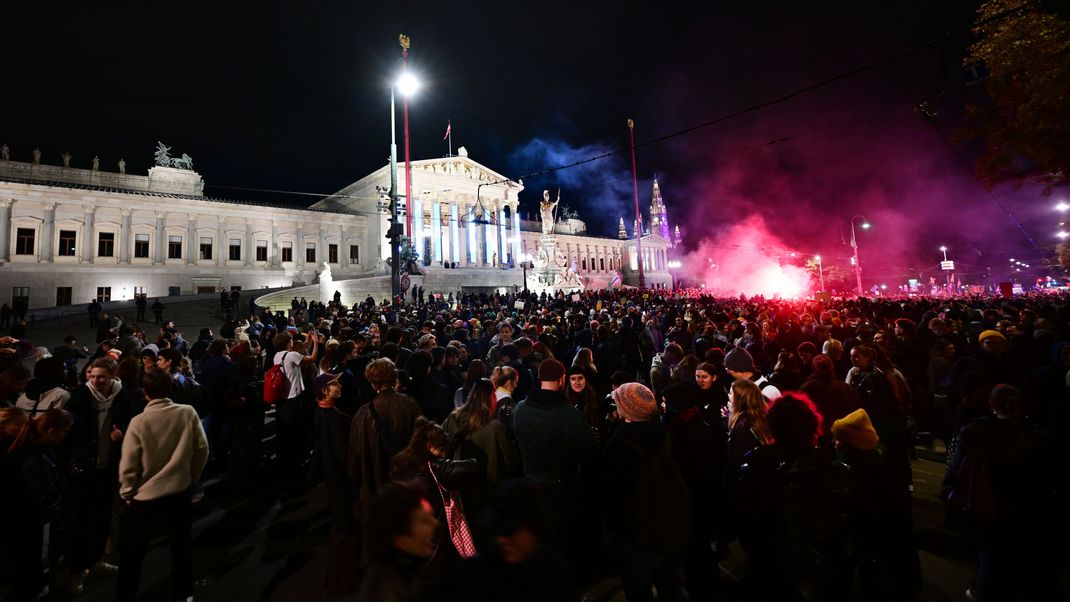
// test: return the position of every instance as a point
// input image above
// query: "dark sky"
(296, 97)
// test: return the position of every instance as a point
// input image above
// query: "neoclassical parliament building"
(70, 234)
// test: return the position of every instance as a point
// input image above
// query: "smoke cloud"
(600, 191)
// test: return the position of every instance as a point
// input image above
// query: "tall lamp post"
(524, 259)
(407, 85)
(820, 272)
(854, 246)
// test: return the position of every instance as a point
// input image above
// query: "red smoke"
(747, 259)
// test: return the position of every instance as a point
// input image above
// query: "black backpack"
(391, 442)
(661, 505)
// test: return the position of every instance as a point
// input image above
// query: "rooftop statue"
(546, 211)
(5, 152)
(163, 156)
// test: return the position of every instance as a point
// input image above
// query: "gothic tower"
(621, 232)
(659, 220)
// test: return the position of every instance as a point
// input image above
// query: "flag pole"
(449, 128)
(638, 217)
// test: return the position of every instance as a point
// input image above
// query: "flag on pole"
(449, 126)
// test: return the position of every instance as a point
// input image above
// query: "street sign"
(947, 266)
(405, 283)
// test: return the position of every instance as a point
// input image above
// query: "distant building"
(69, 235)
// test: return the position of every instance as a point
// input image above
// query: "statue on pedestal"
(66, 159)
(96, 163)
(546, 211)
(122, 166)
(37, 156)
(5, 152)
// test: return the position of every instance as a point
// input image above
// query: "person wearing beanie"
(637, 458)
(556, 443)
(855, 430)
(885, 522)
(558, 450)
(740, 365)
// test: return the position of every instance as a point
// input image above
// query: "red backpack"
(276, 383)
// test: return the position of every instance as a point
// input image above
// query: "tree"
(1026, 126)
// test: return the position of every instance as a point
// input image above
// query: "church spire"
(621, 232)
(659, 219)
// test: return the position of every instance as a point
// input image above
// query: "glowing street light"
(944, 251)
(1062, 234)
(1062, 206)
(407, 85)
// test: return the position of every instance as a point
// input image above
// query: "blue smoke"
(599, 191)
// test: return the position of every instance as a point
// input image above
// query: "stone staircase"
(435, 279)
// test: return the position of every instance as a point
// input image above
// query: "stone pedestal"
(551, 272)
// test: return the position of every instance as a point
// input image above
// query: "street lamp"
(407, 85)
(820, 272)
(524, 259)
(854, 245)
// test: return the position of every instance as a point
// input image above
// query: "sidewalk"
(190, 315)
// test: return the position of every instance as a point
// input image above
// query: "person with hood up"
(45, 390)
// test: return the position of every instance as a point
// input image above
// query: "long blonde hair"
(749, 406)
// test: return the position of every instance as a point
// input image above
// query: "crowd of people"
(526, 447)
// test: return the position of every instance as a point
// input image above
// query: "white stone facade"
(69, 235)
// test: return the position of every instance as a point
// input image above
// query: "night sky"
(288, 97)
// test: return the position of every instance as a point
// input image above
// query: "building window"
(602, 263)
(20, 295)
(287, 252)
(234, 249)
(141, 245)
(103, 293)
(68, 242)
(206, 248)
(354, 254)
(332, 253)
(310, 252)
(174, 247)
(139, 291)
(106, 244)
(63, 295)
(174, 291)
(585, 264)
(261, 250)
(24, 241)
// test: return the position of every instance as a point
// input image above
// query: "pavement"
(258, 539)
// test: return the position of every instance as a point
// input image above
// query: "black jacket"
(80, 445)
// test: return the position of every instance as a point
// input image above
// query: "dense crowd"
(526, 447)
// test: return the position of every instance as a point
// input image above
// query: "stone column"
(161, 238)
(221, 248)
(5, 229)
(194, 242)
(250, 244)
(48, 227)
(300, 246)
(124, 236)
(273, 245)
(321, 252)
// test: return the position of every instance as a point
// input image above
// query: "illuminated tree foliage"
(1062, 252)
(1026, 126)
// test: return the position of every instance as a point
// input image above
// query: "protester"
(164, 451)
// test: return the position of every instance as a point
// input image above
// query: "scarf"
(103, 407)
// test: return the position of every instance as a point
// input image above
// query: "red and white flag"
(449, 126)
